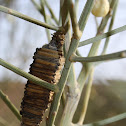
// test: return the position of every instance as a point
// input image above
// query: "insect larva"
(47, 64)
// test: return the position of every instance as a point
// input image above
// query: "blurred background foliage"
(107, 98)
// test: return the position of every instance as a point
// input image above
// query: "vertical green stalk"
(110, 27)
(93, 52)
(73, 16)
(86, 97)
(65, 72)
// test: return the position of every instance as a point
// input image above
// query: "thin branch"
(64, 16)
(37, 6)
(30, 77)
(42, 11)
(110, 28)
(107, 121)
(102, 36)
(73, 16)
(10, 105)
(27, 18)
(51, 12)
(86, 98)
(45, 18)
(65, 72)
(93, 52)
(84, 15)
(117, 55)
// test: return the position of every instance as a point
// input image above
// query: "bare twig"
(86, 97)
(51, 12)
(45, 18)
(27, 18)
(38, 7)
(112, 56)
(110, 28)
(102, 36)
(73, 16)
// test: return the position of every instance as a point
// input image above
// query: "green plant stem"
(102, 36)
(73, 16)
(96, 22)
(70, 105)
(38, 7)
(76, 6)
(110, 28)
(51, 12)
(45, 18)
(117, 55)
(42, 11)
(65, 72)
(94, 48)
(93, 52)
(30, 77)
(63, 13)
(83, 18)
(10, 105)
(86, 97)
(107, 121)
(27, 18)
(72, 97)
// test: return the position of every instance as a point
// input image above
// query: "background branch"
(27, 18)
(45, 18)
(51, 12)
(117, 55)
(110, 28)
(107, 121)
(102, 36)
(10, 105)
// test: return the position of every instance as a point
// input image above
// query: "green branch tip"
(117, 55)
(27, 18)
(102, 36)
(30, 77)
(10, 105)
